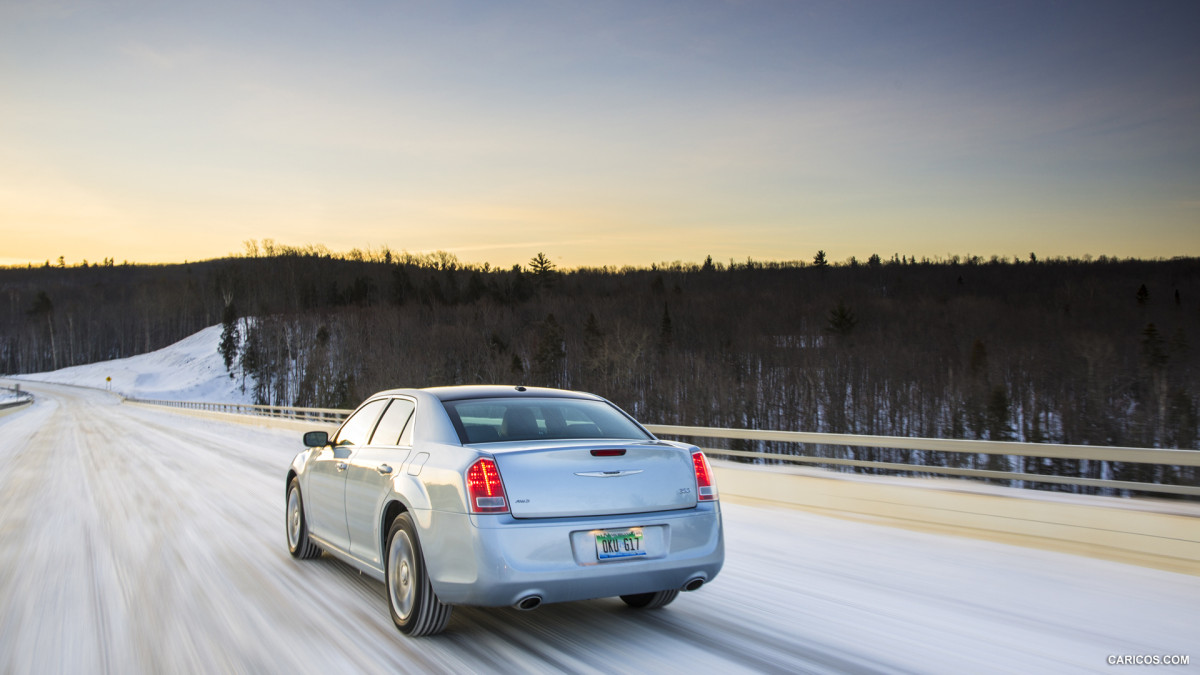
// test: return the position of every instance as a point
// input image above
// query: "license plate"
(613, 544)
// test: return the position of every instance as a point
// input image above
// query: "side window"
(357, 429)
(394, 423)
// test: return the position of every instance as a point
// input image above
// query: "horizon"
(386, 255)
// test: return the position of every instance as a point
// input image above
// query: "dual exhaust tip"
(531, 602)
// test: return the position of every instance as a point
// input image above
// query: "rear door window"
(357, 429)
(392, 429)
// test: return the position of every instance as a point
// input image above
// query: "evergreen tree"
(254, 362)
(497, 345)
(42, 306)
(431, 292)
(228, 346)
(979, 359)
(666, 333)
(450, 289)
(998, 428)
(1182, 420)
(592, 335)
(841, 321)
(543, 271)
(998, 413)
(594, 353)
(549, 359)
(1153, 353)
(401, 285)
(476, 289)
(520, 289)
(977, 399)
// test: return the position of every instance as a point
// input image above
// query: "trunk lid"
(565, 479)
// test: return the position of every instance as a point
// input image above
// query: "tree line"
(1069, 351)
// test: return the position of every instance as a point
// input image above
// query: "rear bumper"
(498, 560)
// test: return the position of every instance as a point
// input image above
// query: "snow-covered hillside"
(189, 370)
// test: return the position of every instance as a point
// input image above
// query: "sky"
(601, 133)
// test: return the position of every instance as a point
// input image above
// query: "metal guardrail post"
(20, 398)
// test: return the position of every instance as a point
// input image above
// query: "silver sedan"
(496, 496)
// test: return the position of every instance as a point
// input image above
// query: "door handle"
(383, 469)
(341, 466)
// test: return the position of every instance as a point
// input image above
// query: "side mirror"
(316, 439)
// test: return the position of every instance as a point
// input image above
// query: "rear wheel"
(651, 600)
(299, 544)
(414, 607)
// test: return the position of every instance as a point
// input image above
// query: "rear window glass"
(503, 419)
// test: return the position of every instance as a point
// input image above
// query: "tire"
(414, 607)
(651, 600)
(299, 543)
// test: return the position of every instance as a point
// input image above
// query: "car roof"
(472, 391)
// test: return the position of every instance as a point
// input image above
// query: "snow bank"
(189, 370)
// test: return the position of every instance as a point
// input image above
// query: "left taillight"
(485, 489)
(706, 488)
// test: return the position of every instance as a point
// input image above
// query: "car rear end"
(561, 520)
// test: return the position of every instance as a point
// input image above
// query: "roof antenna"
(520, 387)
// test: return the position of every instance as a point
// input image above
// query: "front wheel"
(414, 607)
(651, 600)
(299, 543)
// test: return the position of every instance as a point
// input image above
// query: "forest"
(1075, 351)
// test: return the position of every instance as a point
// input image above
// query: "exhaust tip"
(529, 602)
(693, 584)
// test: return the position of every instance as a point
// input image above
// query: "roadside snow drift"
(189, 370)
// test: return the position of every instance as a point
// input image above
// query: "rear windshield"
(503, 419)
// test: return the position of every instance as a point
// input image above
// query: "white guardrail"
(1151, 456)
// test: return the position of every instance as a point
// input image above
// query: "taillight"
(485, 489)
(706, 489)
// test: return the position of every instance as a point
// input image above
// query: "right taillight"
(485, 489)
(706, 489)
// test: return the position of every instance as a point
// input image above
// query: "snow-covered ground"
(136, 540)
(189, 370)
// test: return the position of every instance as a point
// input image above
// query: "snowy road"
(139, 541)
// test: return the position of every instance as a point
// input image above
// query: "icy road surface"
(140, 541)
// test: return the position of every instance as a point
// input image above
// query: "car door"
(369, 477)
(326, 489)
